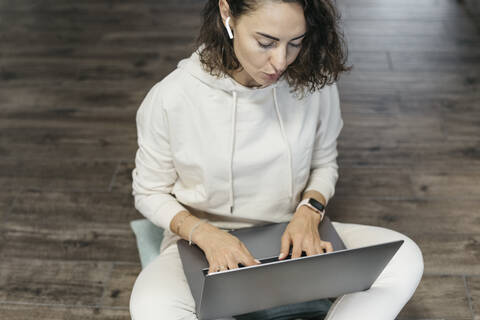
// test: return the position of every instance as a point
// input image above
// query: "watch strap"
(306, 202)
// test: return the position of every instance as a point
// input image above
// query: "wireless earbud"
(230, 34)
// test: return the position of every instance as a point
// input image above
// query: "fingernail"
(281, 255)
(257, 261)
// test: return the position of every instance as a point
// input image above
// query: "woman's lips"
(272, 76)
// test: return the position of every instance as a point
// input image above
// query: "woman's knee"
(149, 304)
(155, 297)
(409, 255)
(414, 259)
(407, 269)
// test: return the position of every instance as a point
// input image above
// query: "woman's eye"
(264, 45)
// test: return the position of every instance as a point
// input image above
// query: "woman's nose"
(279, 59)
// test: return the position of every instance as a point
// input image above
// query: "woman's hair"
(322, 57)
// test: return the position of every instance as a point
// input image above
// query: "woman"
(236, 136)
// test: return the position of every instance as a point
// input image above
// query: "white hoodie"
(235, 155)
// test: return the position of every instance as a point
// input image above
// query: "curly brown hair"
(322, 58)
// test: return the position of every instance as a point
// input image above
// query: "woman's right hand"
(223, 250)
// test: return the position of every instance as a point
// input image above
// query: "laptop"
(275, 283)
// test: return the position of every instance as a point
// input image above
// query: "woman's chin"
(267, 81)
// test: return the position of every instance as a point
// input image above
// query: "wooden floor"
(73, 73)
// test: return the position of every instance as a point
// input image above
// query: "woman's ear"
(224, 10)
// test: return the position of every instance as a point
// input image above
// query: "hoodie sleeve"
(324, 167)
(154, 174)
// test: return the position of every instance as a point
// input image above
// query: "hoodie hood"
(226, 83)
(193, 66)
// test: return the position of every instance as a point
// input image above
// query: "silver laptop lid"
(275, 283)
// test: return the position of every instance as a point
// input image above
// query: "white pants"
(161, 290)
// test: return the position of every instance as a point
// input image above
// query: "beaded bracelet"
(193, 228)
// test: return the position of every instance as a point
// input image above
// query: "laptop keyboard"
(262, 261)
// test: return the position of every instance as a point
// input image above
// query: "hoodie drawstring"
(289, 152)
(234, 114)
(284, 136)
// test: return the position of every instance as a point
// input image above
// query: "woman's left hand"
(302, 233)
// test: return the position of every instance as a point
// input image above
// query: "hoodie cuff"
(324, 185)
(164, 211)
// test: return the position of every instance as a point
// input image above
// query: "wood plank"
(461, 27)
(408, 182)
(43, 139)
(74, 19)
(409, 216)
(450, 253)
(410, 13)
(472, 6)
(66, 245)
(374, 182)
(172, 17)
(460, 113)
(6, 202)
(41, 211)
(72, 102)
(362, 60)
(119, 288)
(387, 27)
(366, 102)
(428, 102)
(438, 297)
(473, 286)
(115, 70)
(391, 129)
(412, 83)
(18, 72)
(447, 184)
(17, 311)
(354, 4)
(412, 43)
(459, 62)
(52, 282)
(8, 6)
(462, 120)
(71, 226)
(123, 178)
(43, 44)
(56, 174)
(378, 152)
(27, 71)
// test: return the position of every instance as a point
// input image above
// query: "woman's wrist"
(306, 209)
(183, 224)
(192, 230)
(305, 212)
(178, 220)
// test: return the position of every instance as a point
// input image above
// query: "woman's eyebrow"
(276, 39)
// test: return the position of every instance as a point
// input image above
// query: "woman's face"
(266, 41)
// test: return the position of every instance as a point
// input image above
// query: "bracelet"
(181, 222)
(193, 228)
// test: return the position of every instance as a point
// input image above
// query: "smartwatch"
(315, 205)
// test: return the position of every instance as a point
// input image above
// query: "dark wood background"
(73, 73)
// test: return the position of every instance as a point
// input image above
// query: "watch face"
(316, 204)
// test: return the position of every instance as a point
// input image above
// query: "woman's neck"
(242, 77)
